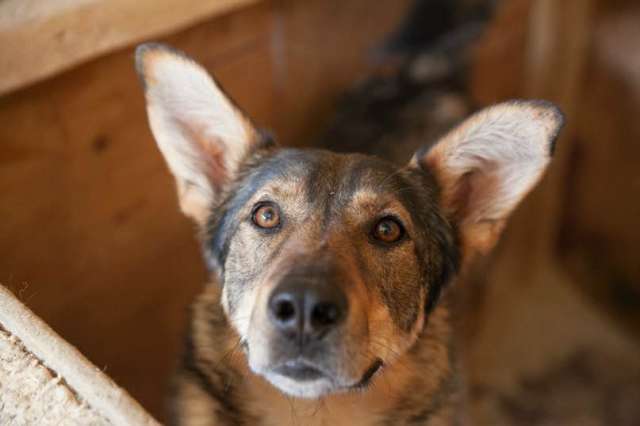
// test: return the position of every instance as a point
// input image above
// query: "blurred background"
(92, 240)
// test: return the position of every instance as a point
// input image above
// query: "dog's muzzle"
(310, 337)
(304, 312)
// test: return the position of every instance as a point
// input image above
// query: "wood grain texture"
(39, 38)
(536, 308)
(600, 238)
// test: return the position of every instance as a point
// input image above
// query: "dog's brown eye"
(388, 230)
(266, 216)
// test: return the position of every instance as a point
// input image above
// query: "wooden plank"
(555, 57)
(537, 49)
(39, 38)
(498, 66)
(599, 238)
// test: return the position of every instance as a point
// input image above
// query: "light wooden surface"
(40, 38)
(83, 389)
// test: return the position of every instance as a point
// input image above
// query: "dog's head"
(330, 264)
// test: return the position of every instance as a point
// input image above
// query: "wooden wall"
(562, 286)
(40, 39)
(600, 237)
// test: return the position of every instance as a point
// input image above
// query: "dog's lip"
(300, 370)
(303, 370)
(368, 374)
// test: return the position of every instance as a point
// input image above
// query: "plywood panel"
(39, 38)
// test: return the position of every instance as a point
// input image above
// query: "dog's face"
(330, 264)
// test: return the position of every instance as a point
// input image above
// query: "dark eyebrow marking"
(223, 220)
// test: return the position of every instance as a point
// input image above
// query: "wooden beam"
(559, 43)
(40, 39)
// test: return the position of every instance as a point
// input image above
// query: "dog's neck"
(420, 388)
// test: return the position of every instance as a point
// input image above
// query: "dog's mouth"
(302, 370)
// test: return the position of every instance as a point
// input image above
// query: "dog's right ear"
(486, 166)
(203, 136)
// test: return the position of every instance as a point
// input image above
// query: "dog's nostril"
(304, 311)
(325, 314)
(285, 310)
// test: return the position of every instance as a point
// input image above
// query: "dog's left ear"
(203, 136)
(486, 166)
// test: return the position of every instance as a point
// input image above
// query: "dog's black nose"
(307, 311)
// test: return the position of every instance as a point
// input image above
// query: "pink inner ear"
(458, 203)
(487, 165)
(211, 152)
(477, 198)
(217, 169)
(473, 199)
(469, 196)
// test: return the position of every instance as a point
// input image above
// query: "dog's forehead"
(322, 175)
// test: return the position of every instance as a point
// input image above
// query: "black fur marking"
(320, 185)
(368, 374)
(442, 258)
(266, 139)
(227, 410)
(449, 250)
(559, 118)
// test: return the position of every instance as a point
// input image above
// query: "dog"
(328, 301)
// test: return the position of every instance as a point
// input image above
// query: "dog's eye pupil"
(388, 230)
(266, 216)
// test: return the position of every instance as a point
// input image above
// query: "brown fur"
(390, 360)
(396, 396)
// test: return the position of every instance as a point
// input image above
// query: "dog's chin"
(299, 379)
(307, 389)
(303, 380)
